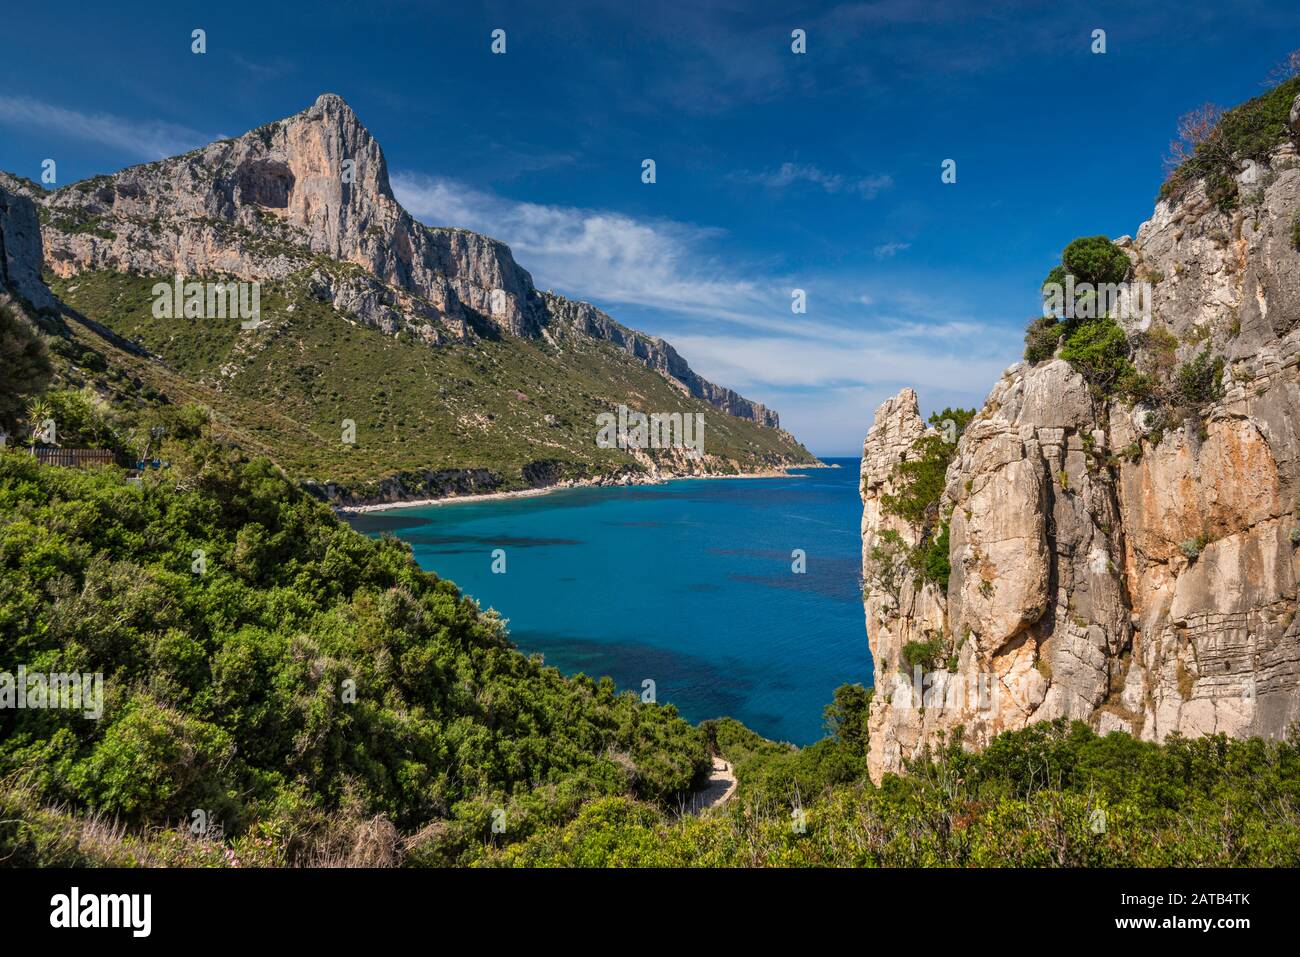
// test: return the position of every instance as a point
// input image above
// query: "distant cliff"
(1124, 551)
(314, 188)
(20, 246)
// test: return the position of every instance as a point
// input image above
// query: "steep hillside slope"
(1123, 517)
(312, 690)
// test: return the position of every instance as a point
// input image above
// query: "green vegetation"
(1193, 547)
(1214, 146)
(846, 718)
(508, 406)
(1090, 339)
(1091, 259)
(781, 776)
(231, 691)
(918, 483)
(1042, 338)
(26, 364)
(928, 654)
(82, 419)
(1200, 380)
(1053, 795)
(1094, 343)
(919, 479)
(303, 683)
(931, 560)
(1099, 350)
(1097, 347)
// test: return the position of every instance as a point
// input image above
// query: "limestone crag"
(1111, 563)
(20, 245)
(308, 199)
(586, 319)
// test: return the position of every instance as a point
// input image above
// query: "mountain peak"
(332, 102)
(270, 203)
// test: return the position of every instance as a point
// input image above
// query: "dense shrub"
(81, 420)
(1251, 131)
(931, 559)
(25, 362)
(1099, 350)
(919, 479)
(928, 654)
(1051, 795)
(1042, 338)
(227, 690)
(1095, 260)
(846, 718)
(918, 483)
(775, 775)
(1089, 338)
(1201, 380)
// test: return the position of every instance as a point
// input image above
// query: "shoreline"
(782, 472)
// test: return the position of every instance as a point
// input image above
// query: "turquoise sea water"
(689, 584)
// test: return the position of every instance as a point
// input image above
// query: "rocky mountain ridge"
(310, 194)
(1113, 561)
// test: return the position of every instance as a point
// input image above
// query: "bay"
(690, 584)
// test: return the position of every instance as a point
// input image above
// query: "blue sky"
(775, 171)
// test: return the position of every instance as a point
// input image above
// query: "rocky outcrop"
(309, 197)
(444, 483)
(20, 246)
(586, 319)
(1132, 567)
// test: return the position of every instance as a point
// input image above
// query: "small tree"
(1196, 130)
(846, 717)
(1041, 339)
(38, 411)
(1096, 260)
(1200, 381)
(1288, 68)
(1099, 350)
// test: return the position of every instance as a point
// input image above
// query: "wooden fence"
(74, 458)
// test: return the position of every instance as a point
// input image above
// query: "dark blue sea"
(689, 584)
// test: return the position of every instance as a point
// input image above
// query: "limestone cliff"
(311, 192)
(20, 246)
(1131, 566)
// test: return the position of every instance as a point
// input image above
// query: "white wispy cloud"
(889, 355)
(788, 174)
(732, 320)
(827, 389)
(606, 257)
(889, 250)
(149, 139)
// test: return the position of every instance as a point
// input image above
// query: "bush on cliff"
(1200, 380)
(1099, 350)
(1041, 339)
(1092, 259)
(1214, 146)
(919, 479)
(1089, 338)
(918, 482)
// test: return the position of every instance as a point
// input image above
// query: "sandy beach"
(546, 490)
